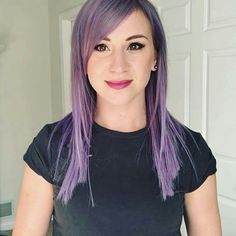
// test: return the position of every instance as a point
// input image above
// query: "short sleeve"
(195, 170)
(38, 157)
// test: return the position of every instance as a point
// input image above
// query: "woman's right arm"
(35, 206)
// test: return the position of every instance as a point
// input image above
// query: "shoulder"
(52, 131)
(194, 141)
(45, 132)
(197, 162)
(192, 137)
(41, 154)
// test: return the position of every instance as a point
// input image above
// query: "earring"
(155, 67)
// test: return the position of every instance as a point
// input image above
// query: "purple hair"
(96, 19)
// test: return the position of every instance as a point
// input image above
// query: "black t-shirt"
(125, 188)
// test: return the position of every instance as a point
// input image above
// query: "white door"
(66, 22)
(201, 37)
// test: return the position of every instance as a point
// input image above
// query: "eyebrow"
(130, 38)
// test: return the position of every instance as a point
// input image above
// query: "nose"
(118, 62)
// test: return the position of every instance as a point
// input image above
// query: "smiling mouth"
(118, 84)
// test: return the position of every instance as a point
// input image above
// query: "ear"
(154, 65)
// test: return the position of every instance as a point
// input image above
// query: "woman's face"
(125, 54)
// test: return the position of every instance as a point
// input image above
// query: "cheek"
(145, 61)
(94, 71)
(91, 68)
(142, 73)
(91, 73)
(144, 67)
(95, 68)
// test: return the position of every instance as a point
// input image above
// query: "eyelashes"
(133, 47)
(136, 46)
(101, 47)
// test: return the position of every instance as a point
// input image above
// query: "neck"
(124, 118)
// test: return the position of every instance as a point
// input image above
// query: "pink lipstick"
(118, 84)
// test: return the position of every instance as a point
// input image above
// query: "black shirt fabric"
(125, 187)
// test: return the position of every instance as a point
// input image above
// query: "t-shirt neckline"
(121, 134)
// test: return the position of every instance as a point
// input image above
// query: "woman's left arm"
(201, 210)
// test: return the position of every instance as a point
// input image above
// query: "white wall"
(25, 86)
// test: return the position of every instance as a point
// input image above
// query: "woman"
(119, 164)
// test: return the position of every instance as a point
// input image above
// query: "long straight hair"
(96, 19)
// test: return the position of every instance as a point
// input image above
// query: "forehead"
(135, 23)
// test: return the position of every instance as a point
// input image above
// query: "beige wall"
(25, 86)
(30, 81)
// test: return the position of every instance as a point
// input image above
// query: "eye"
(136, 46)
(101, 47)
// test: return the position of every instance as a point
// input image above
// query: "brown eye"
(136, 46)
(101, 47)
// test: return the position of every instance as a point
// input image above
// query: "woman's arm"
(201, 210)
(35, 206)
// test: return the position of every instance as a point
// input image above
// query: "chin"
(116, 100)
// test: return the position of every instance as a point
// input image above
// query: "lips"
(118, 84)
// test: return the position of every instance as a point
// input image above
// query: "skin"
(202, 215)
(35, 205)
(122, 110)
(117, 58)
